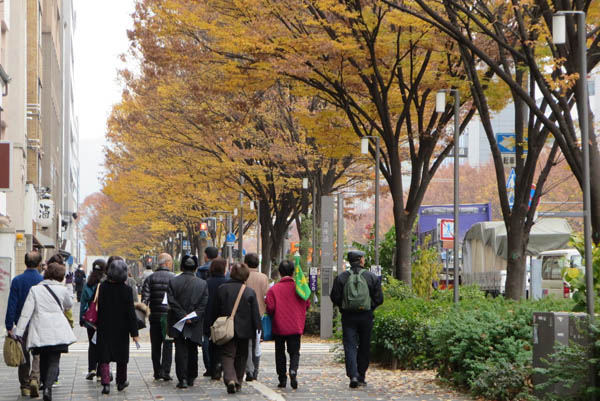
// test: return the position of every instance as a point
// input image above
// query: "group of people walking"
(182, 310)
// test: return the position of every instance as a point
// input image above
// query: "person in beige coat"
(50, 332)
(259, 282)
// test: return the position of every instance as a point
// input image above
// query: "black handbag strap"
(54, 296)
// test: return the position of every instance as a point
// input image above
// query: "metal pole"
(258, 227)
(340, 233)
(377, 201)
(241, 228)
(314, 225)
(229, 247)
(456, 195)
(585, 142)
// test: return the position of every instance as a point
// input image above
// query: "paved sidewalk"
(320, 378)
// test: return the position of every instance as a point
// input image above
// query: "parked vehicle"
(554, 264)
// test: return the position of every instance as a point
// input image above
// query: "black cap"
(354, 256)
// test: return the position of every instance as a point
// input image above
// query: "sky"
(100, 37)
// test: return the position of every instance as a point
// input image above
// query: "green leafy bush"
(426, 267)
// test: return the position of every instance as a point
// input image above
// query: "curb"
(266, 391)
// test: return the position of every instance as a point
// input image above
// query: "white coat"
(47, 322)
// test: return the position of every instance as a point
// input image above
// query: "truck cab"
(553, 266)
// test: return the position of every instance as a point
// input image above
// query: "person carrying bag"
(222, 331)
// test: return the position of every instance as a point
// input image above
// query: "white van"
(553, 263)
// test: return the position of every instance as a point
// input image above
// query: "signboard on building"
(45, 212)
(446, 230)
(5, 165)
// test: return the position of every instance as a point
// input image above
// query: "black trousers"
(186, 359)
(293, 348)
(356, 327)
(215, 358)
(234, 355)
(162, 350)
(92, 353)
(49, 364)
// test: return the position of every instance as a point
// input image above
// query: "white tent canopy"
(485, 243)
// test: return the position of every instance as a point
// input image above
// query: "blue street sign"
(230, 237)
(510, 188)
(507, 142)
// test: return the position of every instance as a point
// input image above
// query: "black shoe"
(231, 387)
(238, 388)
(190, 382)
(166, 377)
(362, 383)
(182, 384)
(249, 377)
(354, 382)
(105, 388)
(90, 375)
(207, 373)
(282, 383)
(48, 394)
(293, 381)
(122, 386)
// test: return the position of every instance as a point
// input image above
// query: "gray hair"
(163, 258)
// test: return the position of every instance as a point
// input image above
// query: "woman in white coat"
(50, 332)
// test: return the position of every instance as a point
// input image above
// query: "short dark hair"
(112, 259)
(33, 259)
(55, 271)
(189, 263)
(217, 267)
(211, 252)
(286, 268)
(99, 264)
(117, 271)
(56, 258)
(239, 272)
(252, 260)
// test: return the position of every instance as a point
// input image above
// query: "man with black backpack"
(357, 292)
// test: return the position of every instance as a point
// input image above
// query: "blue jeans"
(356, 328)
(206, 352)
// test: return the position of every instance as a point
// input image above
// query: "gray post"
(241, 228)
(340, 233)
(456, 195)
(377, 147)
(585, 143)
(326, 266)
(258, 227)
(314, 225)
(229, 247)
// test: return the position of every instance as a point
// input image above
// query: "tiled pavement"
(320, 378)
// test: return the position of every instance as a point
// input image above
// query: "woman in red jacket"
(289, 314)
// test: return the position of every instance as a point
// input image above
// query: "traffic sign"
(446, 229)
(230, 239)
(507, 142)
(510, 188)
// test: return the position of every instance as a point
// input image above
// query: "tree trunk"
(594, 184)
(265, 237)
(517, 240)
(404, 255)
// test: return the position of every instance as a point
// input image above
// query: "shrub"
(426, 267)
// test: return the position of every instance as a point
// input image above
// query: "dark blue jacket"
(19, 289)
(213, 284)
(202, 271)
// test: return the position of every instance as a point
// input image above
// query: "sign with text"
(446, 229)
(45, 212)
(312, 278)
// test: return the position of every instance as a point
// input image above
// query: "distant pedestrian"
(116, 322)
(234, 353)
(259, 282)
(29, 372)
(187, 294)
(203, 272)
(87, 295)
(289, 315)
(357, 292)
(69, 282)
(79, 281)
(147, 273)
(216, 278)
(154, 294)
(49, 331)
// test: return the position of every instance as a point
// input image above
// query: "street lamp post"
(364, 149)
(440, 107)
(559, 37)
(241, 223)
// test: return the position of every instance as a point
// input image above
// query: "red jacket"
(287, 308)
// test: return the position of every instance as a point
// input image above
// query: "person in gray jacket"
(187, 293)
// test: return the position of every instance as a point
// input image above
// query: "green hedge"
(483, 345)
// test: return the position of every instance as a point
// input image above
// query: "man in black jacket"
(154, 292)
(357, 324)
(187, 293)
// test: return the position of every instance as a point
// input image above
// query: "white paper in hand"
(165, 300)
(94, 337)
(179, 325)
(258, 349)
